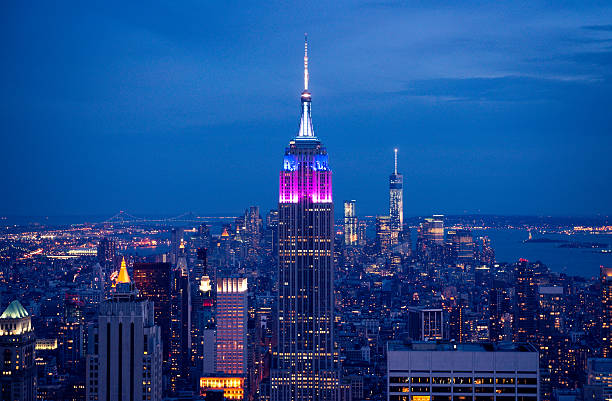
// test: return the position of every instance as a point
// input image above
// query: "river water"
(585, 262)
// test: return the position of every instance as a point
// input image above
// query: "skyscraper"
(18, 379)
(384, 237)
(180, 324)
(396, 198)
(124, 361)
(526, 301)
(232, 308)
(461, 246)
(350, 223)
(430, 240)
(305, 367)
(153, 281)
(500, 312)
(606, 307)
(107, 248)
(230, 356)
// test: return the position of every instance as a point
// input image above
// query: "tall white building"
(427, 371)
(124, 362)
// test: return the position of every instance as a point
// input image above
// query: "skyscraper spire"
(395, 169)
(306, 130)
(123, 273)
(305, 62)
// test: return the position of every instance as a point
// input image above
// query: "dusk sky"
(167, 107)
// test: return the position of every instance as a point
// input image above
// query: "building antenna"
(305, 62)
(395, 151)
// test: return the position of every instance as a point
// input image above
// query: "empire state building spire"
(305, 62)
(306, 131)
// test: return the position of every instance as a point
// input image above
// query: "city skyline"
(404, 289)
(133, 105)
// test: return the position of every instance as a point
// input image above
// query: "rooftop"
(465, 347)
(14, 311)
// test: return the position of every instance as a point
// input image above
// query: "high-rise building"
(231, 357)
(526, 302)
(200, 309)
(107, 249)
(486, 253)
(500, 313)
(430, 240)
(232, 306)
(459, 372)
(362, 227)
(17, 343)
(350, 223)
(461, 246)
(434, 229)
(606, 311)
(384, 239)
(396, 198)
(71, 335)
(180, 324)
(153, 281)
(305, 356)
(124, 361)
(176, 239)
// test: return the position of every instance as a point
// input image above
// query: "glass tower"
(396, 198)
(350, 223)
(305, 366)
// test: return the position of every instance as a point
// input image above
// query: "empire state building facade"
(305, 367)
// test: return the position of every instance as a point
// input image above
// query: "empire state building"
(304, 360)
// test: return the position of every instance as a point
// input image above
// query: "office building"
(445, 371)
(500, 312)
(432, 230)
(384, 238)
(153, 281)
(107, 251)
(17, 344)
(305, 363)
(230, 354)
(461, 247)
(526, 302)
(232, 306)
(124, 361)
(430, 240)
(180, 324)
(350, 223)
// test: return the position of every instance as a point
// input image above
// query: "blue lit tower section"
(396, 199)
(304, 360)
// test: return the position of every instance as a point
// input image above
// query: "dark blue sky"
(164, 107)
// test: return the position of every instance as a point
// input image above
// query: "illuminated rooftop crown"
(124, 287)
(14, 311)
(15, 320)
(123, 273)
